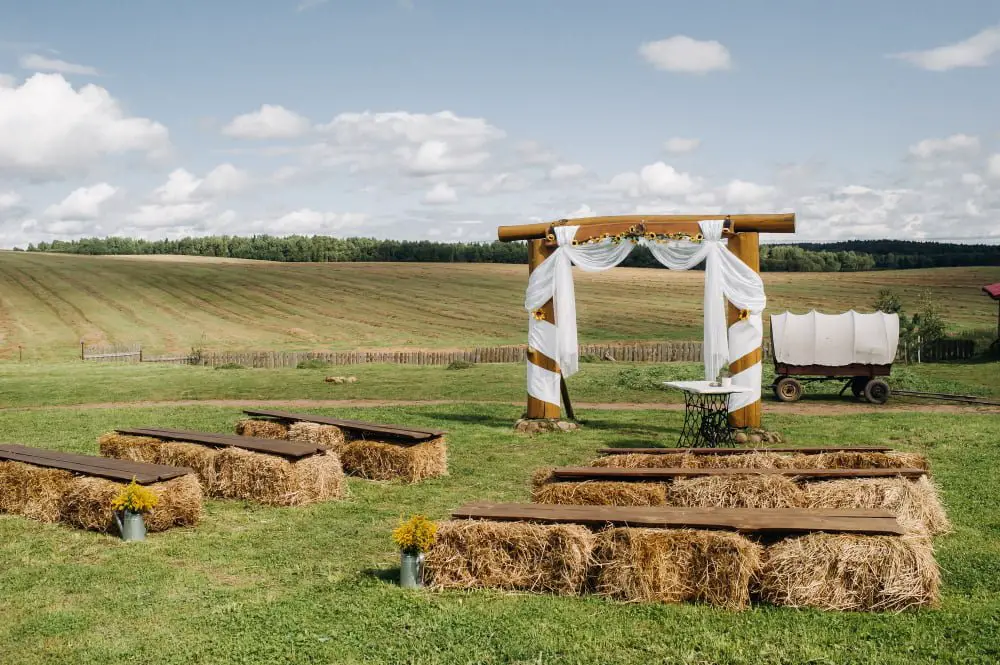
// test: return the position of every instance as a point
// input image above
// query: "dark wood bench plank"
(290, 449)
(742, 451)
(92, 465)
(396, 431)
(770, 521)
(617, 473)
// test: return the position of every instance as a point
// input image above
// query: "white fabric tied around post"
(726, 278)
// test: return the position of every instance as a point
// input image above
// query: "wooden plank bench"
(743, 451)
(567, 473)
(289, 449)
(413, 434)
(787, 521)
(92, 465)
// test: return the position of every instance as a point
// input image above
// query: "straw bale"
(86, 504)
(845, 459)
(915, 503)
(32, 491)
(675, 565)
(601, 493)
(513, 556)
(315, 433)
(541, 476)
(851, 572)
(272, 480)
(377, 460)
(749, 491)
(200, 458)
(647, 461)
(748, 460)
(262, 429)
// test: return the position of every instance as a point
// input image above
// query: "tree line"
(848, 256)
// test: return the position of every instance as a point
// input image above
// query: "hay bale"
(262, 429)
(749, 491)
(32, 491)
(86, 504)
(647, 461)
(851, 572)
(202, 459)
(269, 479)
(601, 493)
(845, 459)
(377, 460)
(915, 503)
(541, 476)
(749, 460)
(514, 556)
(320, 435)
(675, 565)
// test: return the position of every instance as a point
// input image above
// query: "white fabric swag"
(726, 278)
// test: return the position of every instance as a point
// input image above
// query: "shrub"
(460, 364)
(589, 358)
(313, 363)
(230, 366)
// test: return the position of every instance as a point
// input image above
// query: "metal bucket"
(411, 570)
(131, 525)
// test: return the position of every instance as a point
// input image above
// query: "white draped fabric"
(726, 278)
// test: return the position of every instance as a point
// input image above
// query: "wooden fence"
(515, 353)
(111, 352)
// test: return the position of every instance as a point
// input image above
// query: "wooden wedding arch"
(743, 234)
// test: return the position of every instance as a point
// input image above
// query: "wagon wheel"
(788, 389)
(877, 391)
(858, 384)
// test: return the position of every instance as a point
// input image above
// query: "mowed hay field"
(49, 303)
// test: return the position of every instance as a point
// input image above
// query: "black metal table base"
(706, 421)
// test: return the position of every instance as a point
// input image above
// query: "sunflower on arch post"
(727, 244)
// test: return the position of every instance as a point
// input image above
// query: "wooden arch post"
(743, 232)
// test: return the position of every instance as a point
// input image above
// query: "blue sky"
(148, 118)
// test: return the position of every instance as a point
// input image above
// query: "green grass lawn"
(317, 584)
(32, 384)
(253, 584)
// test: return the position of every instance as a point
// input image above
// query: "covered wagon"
(854, 347)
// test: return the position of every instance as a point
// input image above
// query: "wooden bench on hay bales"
(53, 486)
(373, 451)
(907, 492)
(854, 559)
(280, 473)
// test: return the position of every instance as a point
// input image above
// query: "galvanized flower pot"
(131, 525)
(411, 570)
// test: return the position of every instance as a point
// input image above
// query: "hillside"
(48, 302)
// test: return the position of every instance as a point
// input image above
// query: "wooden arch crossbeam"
(741, 230)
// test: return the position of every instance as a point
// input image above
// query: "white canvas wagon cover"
(835, 340)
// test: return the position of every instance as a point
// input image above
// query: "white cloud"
(7, 81)
(224, 179)
(678, 145)
(740, 193)
(49, 130)
(441, 193)
(956, 143)
(534, 153)
(567, 171)
(993, 166)
(9, 199)
(440, 157)
(657, 179)
(410, 127)
(268, 122)
(41, 63)
(684, 54)
(971, 179)
(82, 203)
(307, 221)
(976, 51)
(155, 215)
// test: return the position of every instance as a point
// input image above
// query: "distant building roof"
(992, 290)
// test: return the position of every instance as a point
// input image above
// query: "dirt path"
(820, 408)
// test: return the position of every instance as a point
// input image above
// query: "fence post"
(81, 351)
(919, 344)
